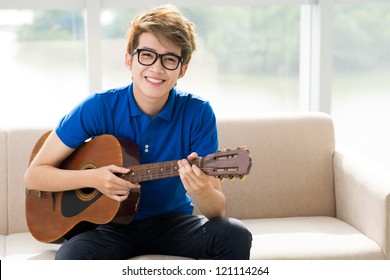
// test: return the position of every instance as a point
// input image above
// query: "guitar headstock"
(228, 163)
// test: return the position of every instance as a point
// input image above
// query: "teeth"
(153, 80)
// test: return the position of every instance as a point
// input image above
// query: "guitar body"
(54, 216)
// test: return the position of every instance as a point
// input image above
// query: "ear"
(183, 71)
(128, 60)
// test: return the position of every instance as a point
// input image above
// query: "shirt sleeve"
(81, 123)
(204, 138)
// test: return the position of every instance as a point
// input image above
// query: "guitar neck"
(154, 171)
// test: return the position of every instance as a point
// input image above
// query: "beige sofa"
(302, 200)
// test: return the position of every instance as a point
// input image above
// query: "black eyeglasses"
(148, 57)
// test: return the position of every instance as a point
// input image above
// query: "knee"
(69, 251)
(236, 237)
(238, 232)
(65, 253)
(62, 254)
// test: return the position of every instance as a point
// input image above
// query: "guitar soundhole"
(87, 193)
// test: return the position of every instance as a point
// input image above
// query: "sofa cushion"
(309, 238)
(23, 246)
(292, 165)
(277, 238)
(2, 247)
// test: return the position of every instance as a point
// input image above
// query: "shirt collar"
(167, 111)
(134, 109)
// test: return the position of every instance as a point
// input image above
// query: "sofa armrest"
(362, 191)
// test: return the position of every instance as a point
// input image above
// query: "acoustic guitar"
(55, 216)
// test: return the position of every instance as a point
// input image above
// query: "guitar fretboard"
(154, 171)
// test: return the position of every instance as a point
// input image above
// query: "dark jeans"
(173, 234)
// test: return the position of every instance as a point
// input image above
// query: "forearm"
(104, 179)
(49, 178)
(211, 201)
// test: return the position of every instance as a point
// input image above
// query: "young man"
(166, 124)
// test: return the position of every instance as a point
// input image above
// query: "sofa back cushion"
(291, 175)
(3, 183)
(292, 169)
(20, 145)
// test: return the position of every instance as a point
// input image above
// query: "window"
(42, 65)
(361, 71)
(247, 60)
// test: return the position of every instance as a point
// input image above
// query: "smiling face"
(152, 84)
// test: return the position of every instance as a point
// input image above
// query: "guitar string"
(153, 173)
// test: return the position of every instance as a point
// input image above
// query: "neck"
(150, 106)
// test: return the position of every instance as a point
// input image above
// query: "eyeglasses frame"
(138, 51)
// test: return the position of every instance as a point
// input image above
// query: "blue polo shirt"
(186, 124)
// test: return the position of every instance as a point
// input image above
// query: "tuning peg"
(229, 177)
(242, 177)
(221, 178)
